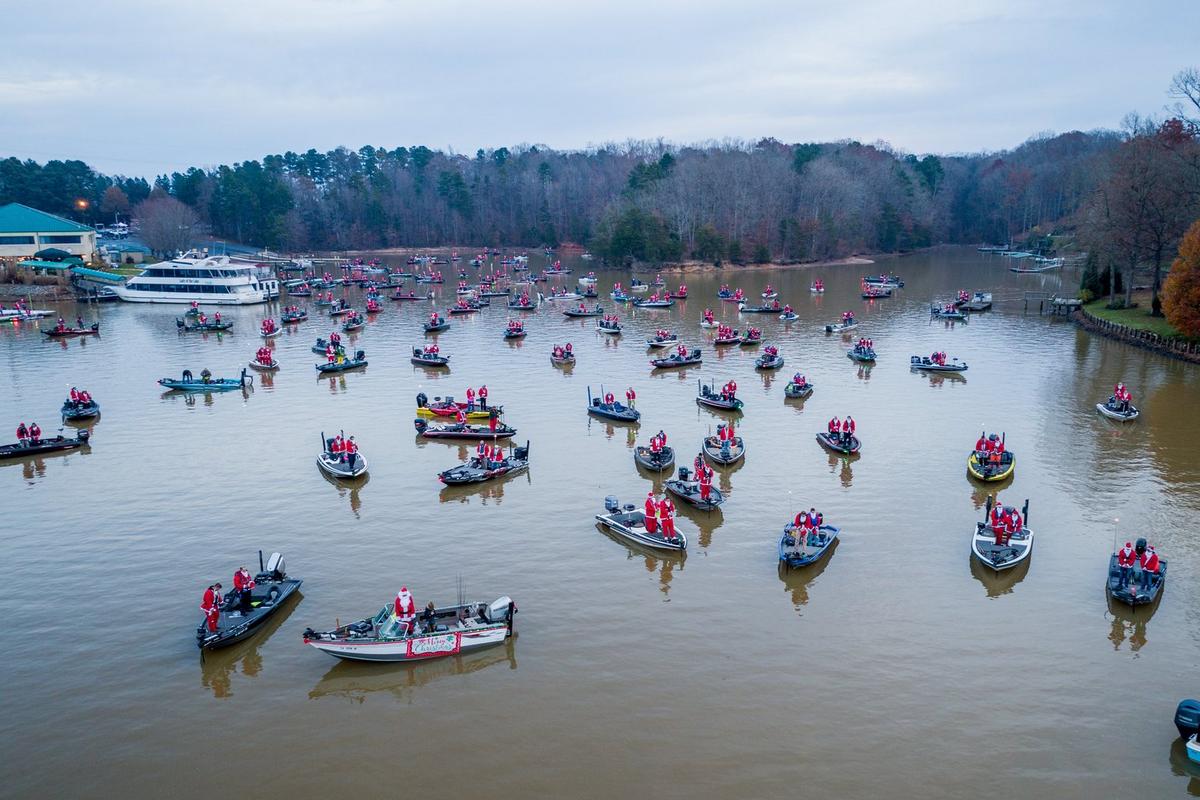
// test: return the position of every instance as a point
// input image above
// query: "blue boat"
(614, 410)
(80, 410)
(189, 384)
(801, 554)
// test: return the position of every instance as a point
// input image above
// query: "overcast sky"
(141, 88)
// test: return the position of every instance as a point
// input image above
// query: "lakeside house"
(26, 232)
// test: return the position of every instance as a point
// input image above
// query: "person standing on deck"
(242, 584)
(405, 608)
(22, 434)
(650, 511)
(211, 606)
(470, 399)
(1150, 565)
(1125, 558)
(493, 420)
(630, 397)
(35, 433)
(483, 397)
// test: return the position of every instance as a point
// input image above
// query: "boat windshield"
(392, 628)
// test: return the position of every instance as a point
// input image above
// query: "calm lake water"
(896, 667)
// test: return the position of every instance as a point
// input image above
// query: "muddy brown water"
(895, 667)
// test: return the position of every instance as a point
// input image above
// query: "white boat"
(588, 280)
(567, 297)
(383, 637)
(335, 467)
(9, 314)
(840, 327)
(195, 276)
(1193, 748)
(630, 524)
(673, 339)
(1002, 557)
(1112, 409)
(706, 324)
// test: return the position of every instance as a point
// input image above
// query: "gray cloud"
(146, 87)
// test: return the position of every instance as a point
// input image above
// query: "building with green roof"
(25, 231)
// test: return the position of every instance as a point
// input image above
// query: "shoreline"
(693, 267)
(1178, 349)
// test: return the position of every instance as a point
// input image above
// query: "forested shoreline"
(647, 200)
(1124, 196)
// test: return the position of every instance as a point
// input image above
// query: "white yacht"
(210, 280)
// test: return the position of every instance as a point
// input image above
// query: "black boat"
(442, 324)
(707, 395)
(595, 311)
(797, 391)
(424, 358)
(687, 489)
(202, 326)
(476, 471)
(72, 411)
(242, 615)
(319, 347)
(676, 360)
(462, 430)
(60, 442)
(359, 360)
(838, 446)
(655, 462)
(289, 317)
(615, 410)
(1132, 593)
(59, 333)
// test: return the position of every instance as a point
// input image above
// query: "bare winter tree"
(1185, 89)
(166, 224)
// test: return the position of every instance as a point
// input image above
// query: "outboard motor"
(611, 505)
(84, 434)
(1140, 547)
(275, 567)
(421, 400)
(1187, 718)
(359, 355)
(684, 472)
(420, 425)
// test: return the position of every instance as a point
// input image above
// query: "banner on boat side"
(446, 644)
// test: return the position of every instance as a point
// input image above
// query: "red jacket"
(242, 580)
(212, 599)
(1150, 561)
(1126, 556)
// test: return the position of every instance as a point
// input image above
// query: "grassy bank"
(1138, 318)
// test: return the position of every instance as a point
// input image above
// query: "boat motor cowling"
(1187, 718)
(611, 504)
(275, 568)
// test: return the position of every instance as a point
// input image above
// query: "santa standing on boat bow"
(405, 607)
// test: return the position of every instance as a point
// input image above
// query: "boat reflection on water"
(705, 521)
(999, 583)
(660, 562)
(940, 378)
(217, 667)
(348, 487)
(1182, 766)
(266, 380)
(487, 490)
(337, 381)
(796, 582)
(979, 495)
(864, 372)
(1129, 623)
(610, 428)
(842, 465)
(35, 466)
(354, 681)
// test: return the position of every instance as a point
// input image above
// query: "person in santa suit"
(405, 608)
(351, 450)
(670, 515)
(980, 447)
(705, 478)
(483, 397)
(651, 510)
(834, 428)
(470, 399)
(664, 519)
(459, 416)
(998, 524)
(74, 394)
(242, 584)
(1150, 565)
(848, 429)
(1014, 525)
(1125, 558)
(211, 606)
(630, 397)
